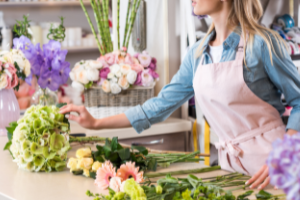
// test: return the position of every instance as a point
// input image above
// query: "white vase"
(9, 109)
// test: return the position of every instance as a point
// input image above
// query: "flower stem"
(91, 139)
(181, 172)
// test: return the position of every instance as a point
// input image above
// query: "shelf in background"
(81, 49)
(42, 3)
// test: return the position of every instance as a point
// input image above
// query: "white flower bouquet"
(115, 72)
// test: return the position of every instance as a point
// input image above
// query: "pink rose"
(145, 59)
(12, 69)
(147, 79)
(111, 58)
(136, 55)
(153, 74)
(128, 59)
(104, 72)
(120, 59)
(137, 67)
(12, 82)
(138, 79)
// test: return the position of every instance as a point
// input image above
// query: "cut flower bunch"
(190, 188)
(115, 72)
(40, 141)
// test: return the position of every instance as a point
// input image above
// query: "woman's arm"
(157, 109)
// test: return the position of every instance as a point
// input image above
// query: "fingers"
(264, 184)
(263, 178)
(70, 108)
(74, 118)
(255, 177)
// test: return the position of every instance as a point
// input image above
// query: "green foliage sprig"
(21, 28)
(58, 33)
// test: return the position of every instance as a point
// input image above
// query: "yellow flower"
(96, 166)
(84, 153)
(3, 81)
(86, 172)
(72, 164)
(85, 163)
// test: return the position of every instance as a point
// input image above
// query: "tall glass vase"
(44, 97)
(9, 109)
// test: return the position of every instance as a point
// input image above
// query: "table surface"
(171, 125)
(18, 184)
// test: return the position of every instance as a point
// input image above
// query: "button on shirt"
(268, 81)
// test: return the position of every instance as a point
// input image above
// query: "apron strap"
(240, 51)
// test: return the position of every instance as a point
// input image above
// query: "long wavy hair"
(246, 14)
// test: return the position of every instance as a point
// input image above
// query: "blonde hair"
(246, 13)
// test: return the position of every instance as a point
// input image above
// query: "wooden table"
(19, 184)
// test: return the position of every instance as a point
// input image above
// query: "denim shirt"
(265, 80)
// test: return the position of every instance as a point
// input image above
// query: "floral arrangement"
(83, 163)
(13, 66)
(190, 188)
(284, 166)
(40, 141)
(108, 176)
(115, 72)
(47, 64)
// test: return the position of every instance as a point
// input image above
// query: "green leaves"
(21, 28)
(124, 154)
(243, 196)
(58, 33)
(263, 195)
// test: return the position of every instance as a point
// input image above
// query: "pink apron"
(245, 124)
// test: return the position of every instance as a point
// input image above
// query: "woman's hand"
(260, 180)
(85, 119)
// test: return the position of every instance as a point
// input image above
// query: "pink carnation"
(128, 59)
(153, 74)
(139, 79)
(104, 72)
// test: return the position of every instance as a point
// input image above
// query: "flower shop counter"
(171, 125)
(19, 184)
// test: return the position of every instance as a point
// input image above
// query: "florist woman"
(237, 74)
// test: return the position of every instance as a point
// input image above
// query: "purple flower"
(24, 44)
(153, 74)
(51, 48)
(64, 72)
(50, 80)
(199, 16)
(284, 165)
(138, 79)
(58, 58)
(37, 60)
(104, 72)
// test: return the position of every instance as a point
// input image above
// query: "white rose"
(123, 83)
(125, 68)
(110, 75)
(27, 68)
(72, 76)
(114, 68)
(78, 67)
(78, 86)
(82, 77)
(19, 60)
(95, 64)
(92, 74)
(3, 81)
(118, 74)
(114, 79)
(106, 86)
(8, 58)
(131, 77)
(115, 88)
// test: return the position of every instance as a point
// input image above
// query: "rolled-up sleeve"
(171, 97)
(286, 78)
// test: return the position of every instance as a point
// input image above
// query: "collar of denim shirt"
(231, 41)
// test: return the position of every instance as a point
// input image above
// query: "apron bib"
(245, 124)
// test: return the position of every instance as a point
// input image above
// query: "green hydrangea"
(134, 190)
(41, 140)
